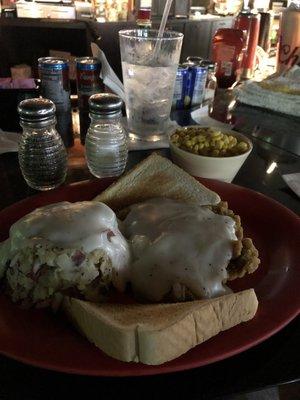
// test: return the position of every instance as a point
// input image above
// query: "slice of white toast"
(156, 333)
(156, 176)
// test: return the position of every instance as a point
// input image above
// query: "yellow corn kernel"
(242, 146)
(196, 148)
(225, 139)
(217, 138)
(200, 146)
(206, 143)
(215, 153)
(200, 138)
(219, 144)
(234, 141)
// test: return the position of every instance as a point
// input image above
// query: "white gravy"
(171, 243)
(83, 225)
(177, 243)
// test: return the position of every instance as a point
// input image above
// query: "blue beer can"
(197, 82)
(181, 99)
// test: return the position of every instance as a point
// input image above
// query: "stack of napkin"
(276, 93)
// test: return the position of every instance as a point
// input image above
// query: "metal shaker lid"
(36, 110)
(105, 104)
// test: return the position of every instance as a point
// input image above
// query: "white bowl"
(220, 168)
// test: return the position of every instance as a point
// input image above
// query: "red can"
(88, 83)
(88, 79)
(249, 23)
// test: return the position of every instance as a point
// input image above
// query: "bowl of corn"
(209, 152)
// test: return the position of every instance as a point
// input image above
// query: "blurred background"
(65, 28)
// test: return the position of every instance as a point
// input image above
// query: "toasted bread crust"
(156, 333)
(156, 176)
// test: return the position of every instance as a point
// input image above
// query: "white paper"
(134, 145)
(293, 181)
(139, 144)
(201, 117)
(107, 74)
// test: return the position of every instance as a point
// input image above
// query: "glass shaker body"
(42, 154)
(106, 140)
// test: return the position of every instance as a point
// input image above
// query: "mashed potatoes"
(72, 248)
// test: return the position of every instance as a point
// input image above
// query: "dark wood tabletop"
(276, 361)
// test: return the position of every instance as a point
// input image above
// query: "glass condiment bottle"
(42, 154)
(106, 141)
(211, 81)
(227, 51)
(143, 19)
(249, 23)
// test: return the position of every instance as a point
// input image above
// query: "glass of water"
(149, 67)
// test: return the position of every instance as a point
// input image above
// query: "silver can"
(55, 84)
(288, 52)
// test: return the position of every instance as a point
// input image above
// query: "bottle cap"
(210, 65)
(105, 104)
(36, 110)
(194, 59)
(53, 63)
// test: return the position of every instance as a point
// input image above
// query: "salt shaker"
(42, 154)
(106, 141)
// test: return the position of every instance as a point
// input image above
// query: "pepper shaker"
(42, 154)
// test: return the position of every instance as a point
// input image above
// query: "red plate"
(44, 340)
